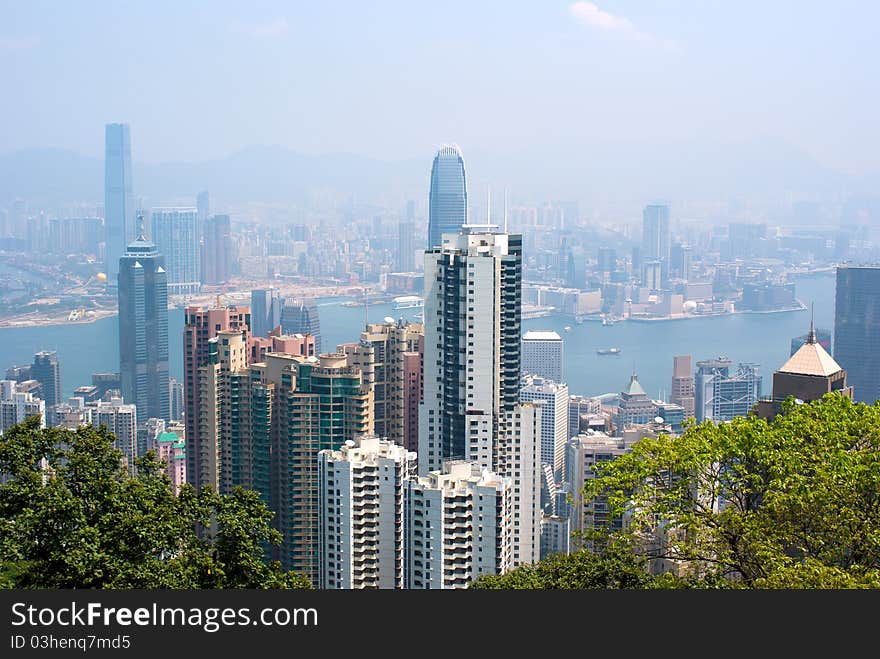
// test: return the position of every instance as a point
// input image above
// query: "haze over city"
(608, 102)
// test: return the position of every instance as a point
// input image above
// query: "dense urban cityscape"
(444, 386)
(462, 408)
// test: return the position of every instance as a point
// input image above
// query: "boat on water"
(607, 320)
(408, 302)
(608, 351)
(567, 328)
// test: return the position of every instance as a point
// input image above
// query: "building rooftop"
(811, 359)
(541, 335)
(634, 388)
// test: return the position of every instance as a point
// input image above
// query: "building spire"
(489, 205)
(140, 226)
(505, 209)
(811, 336)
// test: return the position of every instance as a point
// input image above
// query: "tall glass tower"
(857, 329)
(447, 202)
(119, 210)
(143, 329)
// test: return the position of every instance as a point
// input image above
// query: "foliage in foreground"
(794, 503)
(81, 520)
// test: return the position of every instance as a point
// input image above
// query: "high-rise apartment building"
(47, 371)
(143, 329)
(300, 316)
(227, 357)
(200, 326)
(682, 390)
(553, 398)
(447, 202)
(291, 408)
(720, 395)
(16, 405)
(361, 493)
(119, 204)
(459, 523)
(406, 248)
(471, 407)
(857, 329)
(217, 250)
(122, 420)
(472, 346)
(175, 231)
(389, 355)
(265, 311)
(542, 355)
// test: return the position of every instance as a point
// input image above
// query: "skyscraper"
(216, 250)
(265, 311)
(203, 205)
(176, 234)
(542, 355)
(300, 316)
(655, 237)
(682, 390)
(47, 371)
(471, 407)
(857, 329)
(720, 396)
(406, 257)
(119, 204)
(554, 419)
(143, 329)
(447, 201)
(472, 346)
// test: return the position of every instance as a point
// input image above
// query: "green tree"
(615, 567)
(71, 516)
(790, 503)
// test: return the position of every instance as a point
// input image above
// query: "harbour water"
(647, 347)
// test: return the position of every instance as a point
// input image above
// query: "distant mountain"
(596, 174)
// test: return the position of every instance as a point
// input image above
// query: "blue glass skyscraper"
(857, 329)
(119, 210)
(143, 329)
(447, 202)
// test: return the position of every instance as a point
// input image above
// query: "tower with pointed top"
(635, 406)
(808, 375)
(143, 329)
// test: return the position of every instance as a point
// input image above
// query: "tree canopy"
(789, 503)
(72, 516)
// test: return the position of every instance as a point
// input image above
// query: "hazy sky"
(198, 80)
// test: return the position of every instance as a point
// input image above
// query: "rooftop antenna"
(489, 204)
(218, 301)
(505, 209)
(811, 337)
